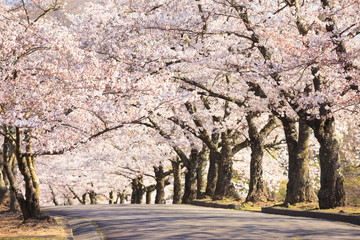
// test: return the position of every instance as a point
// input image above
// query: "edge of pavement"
(79, 228)
(86, 229)
(289, 212)
(67, 228)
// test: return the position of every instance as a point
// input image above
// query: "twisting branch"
(209, 91)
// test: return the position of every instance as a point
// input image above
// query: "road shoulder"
(284, 211)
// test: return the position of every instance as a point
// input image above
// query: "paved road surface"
(190, 222)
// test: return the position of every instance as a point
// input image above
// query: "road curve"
(191, 222)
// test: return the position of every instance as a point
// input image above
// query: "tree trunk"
(8, 156)
(31, 193)
(149, 190)
(257, 189)
(331, 193)
(212, 173)
(299, 188)
(177, 180)
(112, 197)
(14, 205)
(68, 200)
(160, 185)
(81, 200)
(200, 174)
(5, 194)
(122, 198)
(190, 186)
(225, 169)
(84, 199)
(190, 178)
(53, 196)
(138, 190)
(148, 197)
(93, 197)
(4, 191)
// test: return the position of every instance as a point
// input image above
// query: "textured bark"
(14, 206)
(176, 166)
(138, 190)
(200, 174)
(225, 169)
(331, 193)
(212, 173)
(149, 190)
(31, 194)
(4, 190)
(148, 197)
(190, 178)
(93, 197)
(160, 185)
(30, 160)
(299, 188)
(257, 190)
(190, 186)
(8, 155)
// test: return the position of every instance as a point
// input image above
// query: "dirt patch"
(12, 226)
(247, 206)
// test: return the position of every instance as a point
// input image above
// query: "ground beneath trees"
(249, 206)
(350, 210)
(13, 227)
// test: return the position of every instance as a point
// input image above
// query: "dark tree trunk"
(82, 200)
(257, 189)
(225, 169)
(148, 197)
(93, 197)
(8, 155)
(176, 165)
(212, 173)
(160, 185)
(190, 178)
(112, 197)
(53, 196)
(31, 192)
(4, 191)
(14, 206)
(149, 190)
(190, 186)
(120, 196)
(200, 174)
(138, 190)
(299, 188)
(331, 193)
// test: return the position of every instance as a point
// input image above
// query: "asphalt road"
(191, 222)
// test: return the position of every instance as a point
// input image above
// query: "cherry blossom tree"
(305, 66)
